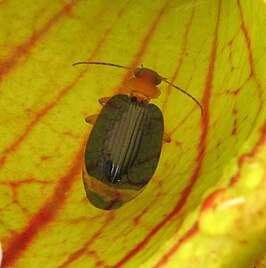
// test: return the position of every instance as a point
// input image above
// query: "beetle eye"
(158, 80)
(137, 72)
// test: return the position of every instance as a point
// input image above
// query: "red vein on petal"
(148, 37)
(39, 115)
(211, 200)
(13, 146)
(181, 58)
(75, 255)
(25, 48)
(247, 38)
(251, 62)
(46, 214)
(3, 2)
(170, 133)
(201, 150)
(146, 41)
(175, 247)
(243, 158)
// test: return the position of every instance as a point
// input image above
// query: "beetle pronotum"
(124, 146)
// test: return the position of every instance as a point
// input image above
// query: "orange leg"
(103, 100)
(166, 138)
(91, 119)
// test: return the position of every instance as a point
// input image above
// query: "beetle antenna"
(129, 68)
(102, 63)
(183, 91)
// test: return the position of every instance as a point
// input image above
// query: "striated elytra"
(125, 143)
(123, 151)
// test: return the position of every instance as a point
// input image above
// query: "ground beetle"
(125, 143)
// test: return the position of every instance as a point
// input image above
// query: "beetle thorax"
(142, 89)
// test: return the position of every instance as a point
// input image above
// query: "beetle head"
(144, 85)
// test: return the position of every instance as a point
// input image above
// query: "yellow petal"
(205, 206)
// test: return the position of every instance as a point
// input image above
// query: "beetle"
(124, 146)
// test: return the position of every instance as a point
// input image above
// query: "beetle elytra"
(124, 146)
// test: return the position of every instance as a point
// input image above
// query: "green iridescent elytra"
(123, 151)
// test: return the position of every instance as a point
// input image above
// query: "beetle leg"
(166, 138)
(103, 100)
(91, 119)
